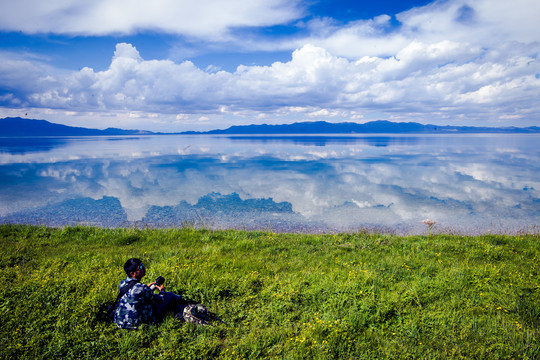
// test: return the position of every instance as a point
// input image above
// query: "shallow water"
(465, 183)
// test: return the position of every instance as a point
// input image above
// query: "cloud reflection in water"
(475, 183)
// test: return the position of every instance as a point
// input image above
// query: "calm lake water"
(466, 183)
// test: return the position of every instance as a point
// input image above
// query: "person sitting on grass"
(140, 305)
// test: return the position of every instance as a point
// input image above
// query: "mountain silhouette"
(373, 127)
(16, 126)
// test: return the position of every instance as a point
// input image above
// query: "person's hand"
(160, 287)
(150, 284)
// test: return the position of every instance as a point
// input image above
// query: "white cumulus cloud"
(473, 60)
(483, 23)
(203, 18)
(442, 77)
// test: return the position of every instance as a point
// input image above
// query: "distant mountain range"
(373, 127)
(14, 127)
(29, 127)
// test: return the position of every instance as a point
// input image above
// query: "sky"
(178, 65)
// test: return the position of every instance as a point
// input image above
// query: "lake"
(466, 183)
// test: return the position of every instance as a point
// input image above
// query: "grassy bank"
(283, 295)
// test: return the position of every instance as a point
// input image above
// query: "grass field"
(283, 296)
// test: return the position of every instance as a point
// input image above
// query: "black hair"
(132, 265)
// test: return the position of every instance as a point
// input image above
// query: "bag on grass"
(197, 314)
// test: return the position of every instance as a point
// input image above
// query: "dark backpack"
(111, 309)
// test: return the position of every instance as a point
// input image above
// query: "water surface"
(466, 183)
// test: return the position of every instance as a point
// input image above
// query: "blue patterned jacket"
(136, 307)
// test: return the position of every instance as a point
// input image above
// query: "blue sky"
(173, 65)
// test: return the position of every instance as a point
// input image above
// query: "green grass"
(284, 296)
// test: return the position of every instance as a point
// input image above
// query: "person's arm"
(151, 296)
(159, 287)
